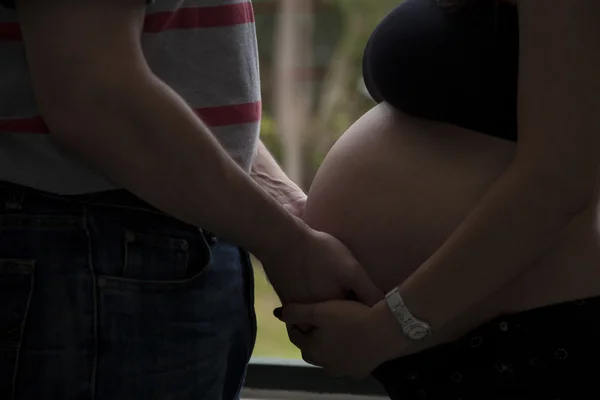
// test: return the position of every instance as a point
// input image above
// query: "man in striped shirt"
(127, 135)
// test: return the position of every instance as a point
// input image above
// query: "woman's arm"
(552, 179)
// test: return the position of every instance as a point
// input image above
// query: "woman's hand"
(348, 339)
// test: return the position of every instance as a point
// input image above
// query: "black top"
(458, 67)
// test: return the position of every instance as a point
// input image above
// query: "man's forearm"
(144, 137)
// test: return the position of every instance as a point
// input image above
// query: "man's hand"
(295, 202)
(350, 339)
(318, 267)
(269, 175)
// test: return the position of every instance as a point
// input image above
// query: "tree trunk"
(293, 97)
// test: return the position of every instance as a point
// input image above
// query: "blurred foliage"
(269, 136)
(339, 100)
(272, 339)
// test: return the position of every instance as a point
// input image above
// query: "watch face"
(418, 332)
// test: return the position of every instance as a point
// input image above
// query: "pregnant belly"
(393, 188)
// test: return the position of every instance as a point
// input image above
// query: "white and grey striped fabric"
(206, 50)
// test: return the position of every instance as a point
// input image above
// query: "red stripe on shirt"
(230, 115)
(200, 17)
(10, 32)
(183, 18)
(211, 116)
(23, 125)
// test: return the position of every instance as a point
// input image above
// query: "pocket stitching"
(25, 266)
(40, 222)
(17, 349)
(157, 241)
(108, 281)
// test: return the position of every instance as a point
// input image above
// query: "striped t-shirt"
(205, 50)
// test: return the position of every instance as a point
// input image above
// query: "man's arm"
(103, 104)
(269, 175)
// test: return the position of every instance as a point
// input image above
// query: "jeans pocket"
(16, 289)
(164, 260)
(174, 339)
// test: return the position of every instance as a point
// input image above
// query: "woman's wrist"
(388, 338)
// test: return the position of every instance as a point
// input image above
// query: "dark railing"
(298, 376)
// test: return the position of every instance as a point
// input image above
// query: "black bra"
(458, 67)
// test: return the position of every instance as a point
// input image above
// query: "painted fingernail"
(277, 313)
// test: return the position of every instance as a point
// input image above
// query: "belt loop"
(210, 237)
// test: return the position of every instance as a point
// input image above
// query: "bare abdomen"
(394, 188)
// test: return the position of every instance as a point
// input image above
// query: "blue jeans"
(105, 301)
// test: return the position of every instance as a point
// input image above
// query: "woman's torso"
(394, 188)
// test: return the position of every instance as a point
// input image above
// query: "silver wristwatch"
(412, 327)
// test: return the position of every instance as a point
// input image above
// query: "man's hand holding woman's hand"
(349, 339)
(311, 267)
(315, 266)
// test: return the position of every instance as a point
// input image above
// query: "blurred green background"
(272, 340)
(312, 89)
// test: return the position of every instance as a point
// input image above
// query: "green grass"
(272, 340)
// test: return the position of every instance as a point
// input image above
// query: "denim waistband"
(16, 199)
(14, 195)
